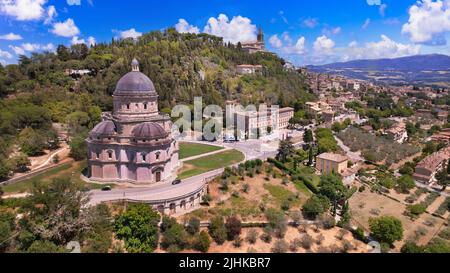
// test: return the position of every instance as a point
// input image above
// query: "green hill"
(36, 92)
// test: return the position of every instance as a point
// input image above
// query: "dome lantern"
(135, 65)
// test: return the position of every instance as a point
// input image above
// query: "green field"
(210, 163)
(69, 170)
(193, 149)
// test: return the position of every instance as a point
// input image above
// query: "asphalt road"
(252, 149)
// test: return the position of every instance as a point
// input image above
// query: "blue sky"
(304, 32)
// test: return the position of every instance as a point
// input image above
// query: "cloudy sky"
(302, 31)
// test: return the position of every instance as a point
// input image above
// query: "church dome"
(104, 128)
(135, 82)
(149, 130)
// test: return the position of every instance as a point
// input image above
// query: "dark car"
(106, 188)
(176, 182)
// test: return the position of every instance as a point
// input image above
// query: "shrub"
(252, 236)
(315, 206)
(217, 230)
(237, 243)
(280, 246)
(386, 229)
(327, 221)
(307, 241)
(193, 225)
(176, 235)
(202, 242)
(416, 210)
(233, 227)
(266, 238)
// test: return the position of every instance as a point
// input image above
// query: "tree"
(280, 246)
(202, 242)
(138, 227)
(308, 136)
(31, 142)
(411, 247)
(175, 237)
(386, 229)
(99, 235)
(310, 156)
(217, 230)
(193, 225)
(78, 148)
(45, 247)
(405, 183)
(315, 206)
(55, 212)
(443, 179)
(252, 236)
(331, 186)
(7, 225)
(285, 150)
(233, 226)
(19, 163)
(277, 221)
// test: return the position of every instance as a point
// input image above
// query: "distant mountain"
(431, 69)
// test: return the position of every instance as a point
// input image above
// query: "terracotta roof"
(104, 128)
(333, 157)
(149, 130)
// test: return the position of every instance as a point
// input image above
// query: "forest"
(36, 92)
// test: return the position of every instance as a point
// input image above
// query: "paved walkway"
(207, 154)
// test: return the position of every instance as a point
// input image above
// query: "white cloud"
(310, 22)
(23, 10)
(51, 14)
(73, 2)
(11, 37)
(287, 47)
(5, 54)
(131, 33)
(427, 19)
(298, 49)
(374, 2)
(332, 31)
(184, 27)
(385, 48)
(91, 41)
(76, 40)
(366, 24)
(30, 47)
(382, 9)
(275, 42)
(323, 45)
(17, 49)
(239, 29)
(66, 28)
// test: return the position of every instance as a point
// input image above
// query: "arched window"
(144, 157)
(128, 106)
(145, 106)
(97, 155)
(158, 155)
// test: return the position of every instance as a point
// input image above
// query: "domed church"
(133, 143)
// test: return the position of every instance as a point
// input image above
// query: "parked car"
(106, 188)
(176, 182)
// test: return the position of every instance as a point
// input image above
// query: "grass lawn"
(210, 163)
(193, 149)
(282, 194)
(63, 171)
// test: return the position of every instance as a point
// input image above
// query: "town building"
(255, 46)
(427, 169)
(328, 163)
(248, 69)
(398, 132)
(442, 136)
(134, 143)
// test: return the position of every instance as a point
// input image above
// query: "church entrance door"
(158, 176)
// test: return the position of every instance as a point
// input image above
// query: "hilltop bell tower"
(260, 35)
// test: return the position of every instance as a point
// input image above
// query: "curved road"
(251, 150)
